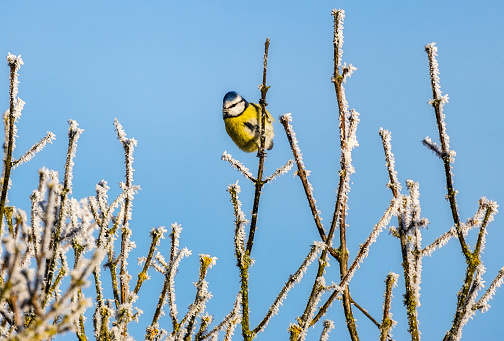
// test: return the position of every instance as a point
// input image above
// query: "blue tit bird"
(242, 120)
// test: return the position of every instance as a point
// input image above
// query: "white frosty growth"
(364, 249)
(238, 166)
(280, 171)
(482, 304)
(390, 161)
(339, 17)
(240, 222)
(316, 248)
(328, 326)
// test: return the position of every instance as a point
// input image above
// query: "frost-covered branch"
(393, 183)
(202, 296)
(280, 171)
(363, 252)
(303, 176)
(293, 279)
(387, 322)
(10, 118)
(34, 149)
(63, 190)
(169, 270)
(238, 165)
(240, 222)
(437, 103)
(347, 128)
(473, 276)
(410, 222)
(229, 321)
(328, 326)
(259, 182)
(156, 235)
(482, 304)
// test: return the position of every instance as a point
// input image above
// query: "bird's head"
(233, 104)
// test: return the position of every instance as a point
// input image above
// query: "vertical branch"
(15, 107)
(202, 296)
(175, 258)
(128, 144)
(261, 153)
(156, 234)
(363, 252)
(437, 103)
(339, 214)
(74, 133)
(387, 322)
(472, 258)
(410, 299)
(169, 271)
(240, 222)
(100, 310)
(79, 324)
(347, 128)
(328, 326)
(473, 282)
(259, 182)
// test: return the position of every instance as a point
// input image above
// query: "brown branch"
(437, 103)
(302, 173)
(340, 207)
(387, 322)
(261, 154)
(364, 249)
(14, 65)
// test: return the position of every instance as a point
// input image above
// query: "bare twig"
(15, 107)
(387, 322)
(260, 153)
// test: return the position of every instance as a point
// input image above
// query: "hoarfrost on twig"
(238, 165)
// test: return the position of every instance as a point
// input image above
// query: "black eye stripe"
(235, 104)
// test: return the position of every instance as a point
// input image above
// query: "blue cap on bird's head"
(232, 99)
(230, 96)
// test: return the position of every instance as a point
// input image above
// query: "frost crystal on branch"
(280, 171)
(237, 165)
(328, 326)
(74, 133)
(433, 147)
(35, 149)
(229, 321)
(482, 304)
(438, 100)
(339, 17)
(431, 50)
(240, 222)
(390, 161)
(316, 248)
(302, 172)
(15, 64)
(467, 308)
(364, 249)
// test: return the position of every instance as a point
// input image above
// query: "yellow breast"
(244, 129)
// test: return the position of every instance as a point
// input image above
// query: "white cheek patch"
(235, 108)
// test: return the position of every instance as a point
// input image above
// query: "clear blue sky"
(162, 68)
